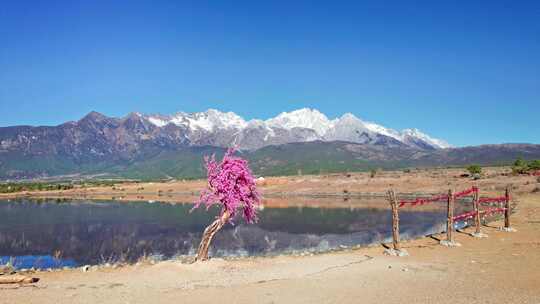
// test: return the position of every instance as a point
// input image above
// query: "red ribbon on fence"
(464, 215)
(466, 192)
(471, 214)
(444, 197)
(500, 199)
(493, 210)
(422, 201)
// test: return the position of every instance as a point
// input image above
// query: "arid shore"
(503, 268)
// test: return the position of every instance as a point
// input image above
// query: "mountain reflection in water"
(92, 232)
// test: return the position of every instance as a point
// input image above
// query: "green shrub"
(534, 164)
(520, 167)
(18, 187)
(474, 169)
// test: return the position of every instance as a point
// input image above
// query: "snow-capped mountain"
(164, 146)
(98, 140)
(224, 129)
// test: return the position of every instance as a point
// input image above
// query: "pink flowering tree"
(231, 185)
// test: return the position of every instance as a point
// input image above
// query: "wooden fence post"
(478, 223)
(450, 219)
(395, 219)
(507, 210)
(476, 197)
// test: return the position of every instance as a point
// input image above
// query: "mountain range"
(166, 146)
(221, 129)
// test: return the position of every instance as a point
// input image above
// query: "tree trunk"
(395, 219)
(209, 232)
(17, 279)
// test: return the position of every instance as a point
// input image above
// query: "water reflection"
(91, 232)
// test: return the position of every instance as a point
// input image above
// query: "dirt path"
(504, 268)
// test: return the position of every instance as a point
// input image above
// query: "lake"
(51, 234)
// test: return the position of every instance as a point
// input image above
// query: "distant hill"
(288, 159)
(317, 157)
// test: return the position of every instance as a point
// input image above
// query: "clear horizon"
(467, 74)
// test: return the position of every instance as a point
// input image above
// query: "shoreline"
(343, 276)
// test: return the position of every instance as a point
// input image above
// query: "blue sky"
(468, 73)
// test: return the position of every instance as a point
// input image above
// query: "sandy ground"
(503, 268)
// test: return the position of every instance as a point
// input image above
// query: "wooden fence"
(502, 205)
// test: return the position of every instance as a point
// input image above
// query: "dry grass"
(494, 181)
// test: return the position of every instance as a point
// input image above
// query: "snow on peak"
(226, 119)
(348, 117)
(415, 133)
(302, 118)
(212, 119)
(376, 128)
(348, 122)
(208, 120)
(348, 127)
(157, 120)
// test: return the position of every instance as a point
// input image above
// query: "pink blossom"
(231, 184)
